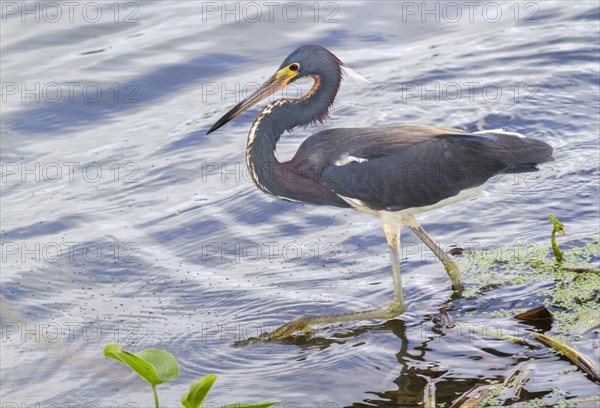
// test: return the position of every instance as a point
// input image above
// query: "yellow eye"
(294, 67)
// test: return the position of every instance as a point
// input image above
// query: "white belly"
(462, 196)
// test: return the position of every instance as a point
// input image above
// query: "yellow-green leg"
(391, 227)
(447, 261)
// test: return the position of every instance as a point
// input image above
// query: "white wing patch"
(345, 159)
(500, 132)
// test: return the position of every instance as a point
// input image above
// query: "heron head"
(310, 61)
(306, 61)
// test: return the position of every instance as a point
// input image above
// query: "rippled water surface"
(122, 221)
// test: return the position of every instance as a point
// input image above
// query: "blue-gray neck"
(276, 118)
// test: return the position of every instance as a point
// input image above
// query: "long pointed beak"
(278, 81)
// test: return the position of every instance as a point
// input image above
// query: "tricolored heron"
(392, 171)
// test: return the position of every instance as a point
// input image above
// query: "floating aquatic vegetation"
(573, 298)
(568, 295)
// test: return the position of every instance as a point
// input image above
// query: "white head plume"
(350, 72)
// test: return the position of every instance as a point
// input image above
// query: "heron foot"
(454, 275)
(299, 323)
(395, 308)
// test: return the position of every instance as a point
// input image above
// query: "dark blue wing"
(426, 170)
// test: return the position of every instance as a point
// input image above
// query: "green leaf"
(154, 366)
(252, 405)
(198, 391)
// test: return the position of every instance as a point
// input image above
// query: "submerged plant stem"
(581, 270)
(155, 395)
(570, 353)
(558, 227)
(502, 336)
